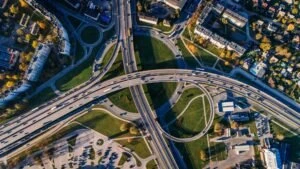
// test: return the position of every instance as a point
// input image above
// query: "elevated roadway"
(21, 130)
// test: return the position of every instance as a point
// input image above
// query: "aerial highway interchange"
(20, 131)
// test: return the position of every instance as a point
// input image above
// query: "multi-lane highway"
(164, 155)
(19, 131)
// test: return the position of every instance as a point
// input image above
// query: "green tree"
(218, 128)
(295, 11)
(20, 32)
(19, 106)
(13, 9)
(124, 127)
(27, 37)
(203, 155)
(133, 130)
(34, 44)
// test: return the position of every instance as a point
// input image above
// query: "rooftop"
(37, 62)
(177, 4)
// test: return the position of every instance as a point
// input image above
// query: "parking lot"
(89, 149)
(263, 126)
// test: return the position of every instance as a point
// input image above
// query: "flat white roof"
(228, 108)
(227, 103)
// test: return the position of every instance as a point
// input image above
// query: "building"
(241, 148)
(15, 94)
(176, 4)
(240, 116)
(24, 20)
(37, 62)
(203, 32)
(272, 27)
(218, 40)
(235, 18)
(34, 28)
(240, 50)
(92, 11)
(258, 69)
(271, 158)
(219, 8)
(227, 106)
(74, 3)
(167, 23)
(65, 46)
(148, 19)
(8, 58)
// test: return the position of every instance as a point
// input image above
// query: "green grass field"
(191, 153)
(203, 56)
(151, 165)
(188, 58)
(103, 123)
(186, 96)
(152, 54)
(90, 34)
(138, 145)
(108, 125)
(78, 75)
(123, 100)
(117, 69)
(107, 56)
(159, 93)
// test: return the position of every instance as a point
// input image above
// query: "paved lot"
(91, 149)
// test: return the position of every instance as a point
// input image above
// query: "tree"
(49, 38)
(27, 37)
(15, 77)
(295, 11)
(218, 128)
(28, 56)
(139, 6)
(13, 9)
(23, 67)
(2, 76)
(234, 125)
(224, 21)
(10, 110)
(20, 32)
(133, 130)
(124, 127)
(280, 136)
(34, 44)
(290, 27)
(258, 36)
(203, 155)
(10, 84)
(23, 4)
(20, 40)
(265, 46)
(42, 25)
(19, 106)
